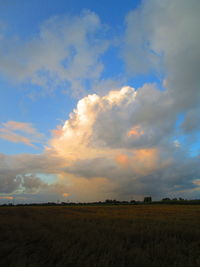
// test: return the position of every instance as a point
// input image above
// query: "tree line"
(147, 200)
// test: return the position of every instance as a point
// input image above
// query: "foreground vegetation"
(106, 236)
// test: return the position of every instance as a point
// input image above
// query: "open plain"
(106, 236)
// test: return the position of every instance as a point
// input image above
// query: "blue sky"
(83, 82)
(22, 19)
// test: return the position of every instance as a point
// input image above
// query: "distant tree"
(166, 199)
(110, 201)
(124, 202)
(147, 199)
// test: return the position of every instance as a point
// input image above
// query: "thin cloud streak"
(21, 132)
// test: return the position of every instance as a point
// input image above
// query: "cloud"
(21, 126)
(10, 174)
(20, 132)
(190, 124)
(119, 112)
(164, 37)
(7, 197)
(116, 145)
(123, 139)
(123, 143)
(63, 54)
(21, 174)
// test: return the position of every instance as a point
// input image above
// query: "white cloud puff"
(64, 53)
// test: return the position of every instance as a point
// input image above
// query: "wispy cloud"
(7, 197)
(20, 132)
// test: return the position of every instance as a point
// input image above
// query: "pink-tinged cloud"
(7, 197)
(20, 132)
(65, 194)
(15, 138)
(20, 126)
(135, 131)
(123, 160)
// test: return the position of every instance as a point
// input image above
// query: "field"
(106, 236)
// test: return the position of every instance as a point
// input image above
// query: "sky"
(99, 100)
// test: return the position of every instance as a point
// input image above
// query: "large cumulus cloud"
(125, 143)
(117, 145)
(124, 138)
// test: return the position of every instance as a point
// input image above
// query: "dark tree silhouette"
(147, 199)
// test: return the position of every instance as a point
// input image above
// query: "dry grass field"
(106, 236)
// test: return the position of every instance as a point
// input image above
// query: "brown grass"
(106, 236)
